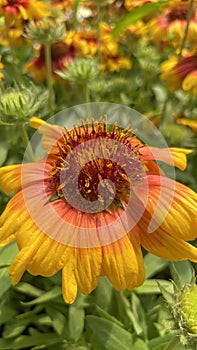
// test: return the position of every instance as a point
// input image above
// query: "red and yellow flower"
(13, 10)
(169, 26)
(62, 52)
(180, 73)
(172, 213)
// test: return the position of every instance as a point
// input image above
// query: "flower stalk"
(26, 141)
(189, 16)
(49, 76)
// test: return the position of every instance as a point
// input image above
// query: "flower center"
(104, 160)
(179, 13)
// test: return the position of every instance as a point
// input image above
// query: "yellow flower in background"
(16, 35)
(188, 122)
(131, 4)
(22, 9)
(169, 25)
(62, 4)
(115, 64)
(61, 54)
(120, 257)
(1, 74)
(180, 73)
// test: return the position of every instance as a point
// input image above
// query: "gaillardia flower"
(13, 10)
(90, 203)
(169, 26)
(180, 73)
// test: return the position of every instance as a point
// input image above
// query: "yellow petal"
(10, 178)
(21, 261)
(179, 157)
(172, 156)
(188, 122)
(36, 122)
(7, 241)
(50, 133)
(69, 284)
(164, 245)
(13, 217)
(50, 257)
(88, 268)
(169, 205)
(123, 264)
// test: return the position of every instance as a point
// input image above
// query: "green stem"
(26, 141)
(49, 76)
(189, 16)
(86, 93)
(164, 109)
(13, 54)
(173, 342)
(75, 22)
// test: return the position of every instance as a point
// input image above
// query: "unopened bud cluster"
(47, 30)
(80, 70)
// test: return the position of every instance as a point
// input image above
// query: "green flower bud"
(80, 70)
(47, 30)
(21, 103)
(189, 308)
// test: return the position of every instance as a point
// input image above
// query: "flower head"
(91, 202)
(170, 25)
(61, 54)
(181, 73)
(13, 10)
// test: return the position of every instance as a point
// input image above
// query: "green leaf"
(28, 289)
(132, 17)
(109, 335)
(184, 271)
(108, 317)
(6, 313)
(160, 342)
(168, 296)
(26, 341)
(139, 344)
(130, 315)
(7, 254)
(153, 264)
(151, 287)
(76, 322)
(57, 318)
(103, 293)
(48, 296)
(139, 313)
(5, 280)
(3, 152)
